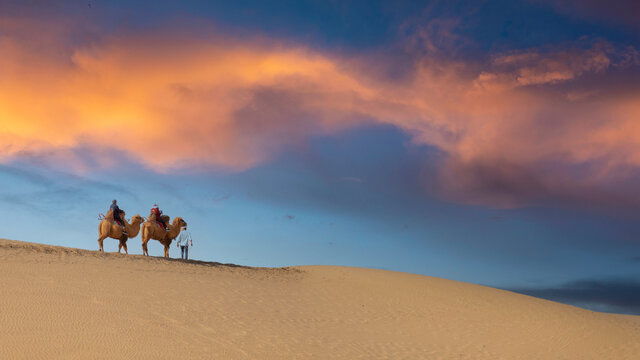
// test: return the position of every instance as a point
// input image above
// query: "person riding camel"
(158, 215)
(116, 213)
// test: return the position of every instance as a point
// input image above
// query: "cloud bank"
(611, 295)
(516, 128)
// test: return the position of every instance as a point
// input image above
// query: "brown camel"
(151, 230)
(108, 229)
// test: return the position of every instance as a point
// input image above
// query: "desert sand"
(63, 303)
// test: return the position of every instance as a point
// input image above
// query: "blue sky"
(489, 142)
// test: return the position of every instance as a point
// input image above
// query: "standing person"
(184, 241)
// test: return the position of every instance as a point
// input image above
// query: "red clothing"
(158, 216)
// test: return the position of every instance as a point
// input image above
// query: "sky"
(493, 142)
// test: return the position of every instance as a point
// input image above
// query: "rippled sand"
(62, 303)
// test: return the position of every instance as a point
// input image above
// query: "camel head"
(136, 219)
(178, 222)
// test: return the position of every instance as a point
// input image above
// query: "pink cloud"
(516, 129)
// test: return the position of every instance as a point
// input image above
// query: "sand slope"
(75, 304)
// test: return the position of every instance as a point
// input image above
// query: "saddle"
(109, 217)
(154, 220)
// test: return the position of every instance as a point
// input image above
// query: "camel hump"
(109, 215)
(154, 221)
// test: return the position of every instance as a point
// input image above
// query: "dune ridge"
(65, 303)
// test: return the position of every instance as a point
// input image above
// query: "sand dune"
(62, 303)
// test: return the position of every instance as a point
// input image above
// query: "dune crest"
(62, 303)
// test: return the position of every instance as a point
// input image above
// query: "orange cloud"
(514, 129)
(169, 102)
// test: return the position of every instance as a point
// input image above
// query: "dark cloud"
(54, 202)
(42, 169)
(378, 154)
(502, 184)
(612, 12)
(19, 201)
(220, 198)
(351, 179)
(56, 192)
(25, 175)
(612, 295)
(103, 186)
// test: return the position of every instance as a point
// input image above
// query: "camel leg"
(144, 236)
(100, 240)
(166, 251)
(124, 246)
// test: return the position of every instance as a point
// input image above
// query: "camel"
(151, 230)
(108, 229)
